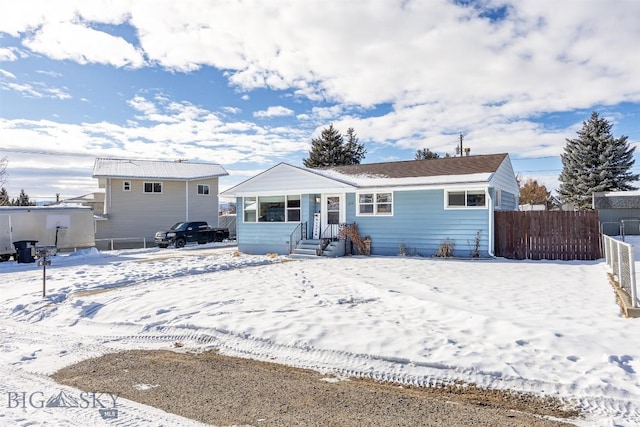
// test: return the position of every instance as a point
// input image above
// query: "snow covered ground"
(547, 327)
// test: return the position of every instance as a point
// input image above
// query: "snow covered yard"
(543, 327)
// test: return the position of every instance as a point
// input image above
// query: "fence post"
(632, 281)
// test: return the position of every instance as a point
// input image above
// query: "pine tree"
(595, 161)
(331, 150)
(426, 154)
(354, 151)
(22, 200)
(4, 197)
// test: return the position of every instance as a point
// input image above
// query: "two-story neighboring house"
(144, 196)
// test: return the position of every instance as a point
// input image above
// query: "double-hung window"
(375, 203)
(465, 199)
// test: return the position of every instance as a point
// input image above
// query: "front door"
(333, 214)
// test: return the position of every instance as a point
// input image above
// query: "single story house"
(618, 212)
(406, 207)
(145, 196)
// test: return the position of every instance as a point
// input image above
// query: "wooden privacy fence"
(562, 235)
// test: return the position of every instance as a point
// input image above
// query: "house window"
(203, 189)
(126, 185)
(272, 209)
(250, 209)
(153, 187)
(466, 199)
(293, 208)
(375, 204)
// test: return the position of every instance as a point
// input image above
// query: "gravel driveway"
(225, 391)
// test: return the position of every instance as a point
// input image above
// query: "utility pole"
(461, 150)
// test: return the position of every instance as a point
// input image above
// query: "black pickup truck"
(182, 233)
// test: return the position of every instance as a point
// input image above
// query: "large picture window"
(153, 187)
(272, 209)
(466, 199)
(375, 203)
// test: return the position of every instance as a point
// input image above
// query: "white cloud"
(77, 42)
(274, 111)
(7, 74)
(38, 90)
(7, 54)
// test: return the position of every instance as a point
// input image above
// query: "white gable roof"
(155, 169)
(284, 178)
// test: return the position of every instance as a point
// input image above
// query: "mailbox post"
(43, 253)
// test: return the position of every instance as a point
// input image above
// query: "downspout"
(490, 237)
(107, 194)
(186, 197)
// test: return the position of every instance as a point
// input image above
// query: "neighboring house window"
(126, 185)
(375, 204)
(203, 189)
(466, 199)
(153, 187)
(272, 209)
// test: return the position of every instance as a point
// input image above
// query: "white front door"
(333, 214)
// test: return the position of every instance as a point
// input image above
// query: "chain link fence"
(620, 259)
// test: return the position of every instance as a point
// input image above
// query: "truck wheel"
(218, 237)
(180, 243)
(162, 245)
(4, 258)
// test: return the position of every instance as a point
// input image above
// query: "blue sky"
(249, 84)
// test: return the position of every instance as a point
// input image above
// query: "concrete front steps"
(314, 247)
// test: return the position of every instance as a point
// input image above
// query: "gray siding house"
(144, 196)
(407, 207)
(618, 212)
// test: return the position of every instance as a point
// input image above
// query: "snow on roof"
(133, 168)
(370, 180)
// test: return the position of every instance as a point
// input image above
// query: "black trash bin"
(25, 250)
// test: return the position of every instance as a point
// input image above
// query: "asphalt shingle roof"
(487, 163)
(155, 169)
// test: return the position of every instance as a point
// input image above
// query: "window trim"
(203, 193)
(153, 184)
(375, 203)
(126, 186)
(466, 198)
(256, 209)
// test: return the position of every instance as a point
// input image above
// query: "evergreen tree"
(22, 200)
(595, 161)
(4, 197)
(426, 154)
(353, 150)
(533, 193)
(331, 150)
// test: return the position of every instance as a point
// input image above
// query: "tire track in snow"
(375, 367)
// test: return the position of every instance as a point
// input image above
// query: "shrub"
(446, 249)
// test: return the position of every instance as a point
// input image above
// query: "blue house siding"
(270, 237)
(421, 224)
(508, 201)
